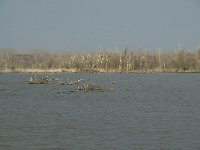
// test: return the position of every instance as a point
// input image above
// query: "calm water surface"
(143, 112)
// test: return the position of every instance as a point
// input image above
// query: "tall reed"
(103, 60)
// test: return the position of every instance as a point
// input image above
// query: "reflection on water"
(143, 111)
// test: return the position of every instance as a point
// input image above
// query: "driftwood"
(3, 88)
(75, 82)
(38, 80)
(62, 81)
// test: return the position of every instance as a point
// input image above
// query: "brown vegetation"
(100, 61)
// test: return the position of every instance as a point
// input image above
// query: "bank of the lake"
(95, 70)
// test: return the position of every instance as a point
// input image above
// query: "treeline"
(102, 61)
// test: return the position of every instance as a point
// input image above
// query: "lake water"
(142, 112)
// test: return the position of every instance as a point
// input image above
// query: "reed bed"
(137, 61)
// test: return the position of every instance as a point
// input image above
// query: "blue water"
(142, 112)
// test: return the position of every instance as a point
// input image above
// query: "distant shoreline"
(96, 70)
(108, 61)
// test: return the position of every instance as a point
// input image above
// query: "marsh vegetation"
(141, 61)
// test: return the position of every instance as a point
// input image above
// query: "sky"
(99, 24)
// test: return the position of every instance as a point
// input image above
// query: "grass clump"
(92, 87)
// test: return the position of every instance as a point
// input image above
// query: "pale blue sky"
(94, 24)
